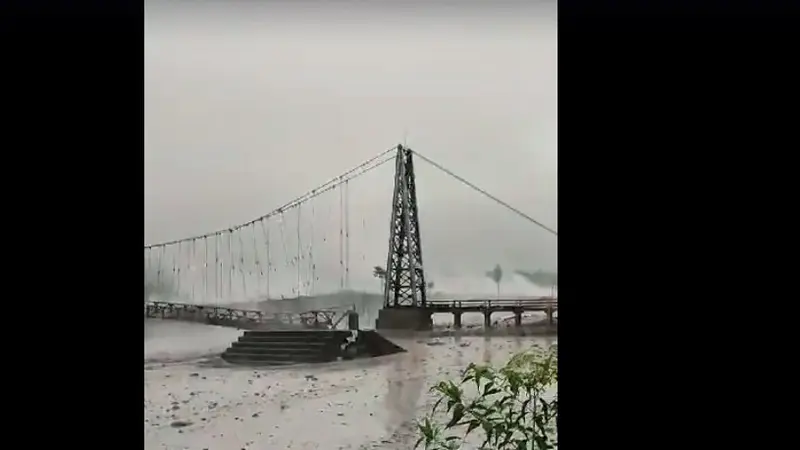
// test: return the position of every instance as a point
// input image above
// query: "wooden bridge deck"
(331, 318)
(243, 318)
(543, 304)
(518, 306)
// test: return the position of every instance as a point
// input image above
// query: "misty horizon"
(244, 113)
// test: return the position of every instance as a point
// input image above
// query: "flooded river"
(194, 402)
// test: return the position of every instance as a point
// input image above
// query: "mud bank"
(360, 404)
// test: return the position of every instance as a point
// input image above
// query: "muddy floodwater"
(194, 401)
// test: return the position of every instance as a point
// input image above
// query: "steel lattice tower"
(405, 278)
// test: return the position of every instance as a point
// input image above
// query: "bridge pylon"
(405, 297)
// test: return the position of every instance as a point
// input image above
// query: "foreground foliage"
(514, 406)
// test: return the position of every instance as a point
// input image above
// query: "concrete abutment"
(399, 318)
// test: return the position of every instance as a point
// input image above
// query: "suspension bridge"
(308, 249)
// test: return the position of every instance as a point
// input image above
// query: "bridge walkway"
(243, 318)
(547, 305)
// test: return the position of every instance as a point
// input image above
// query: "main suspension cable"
(368, 165)
(486, 194)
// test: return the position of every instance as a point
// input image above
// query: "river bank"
(361, 404)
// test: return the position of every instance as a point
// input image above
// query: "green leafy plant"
(515, 407)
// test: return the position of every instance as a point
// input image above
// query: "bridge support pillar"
(518, 317)
(404, 318)
(457, 320)
(487, 318)
(352, 320)
(550, 315)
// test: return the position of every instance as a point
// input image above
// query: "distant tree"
(540, 278)
(380, 273)
(496, 275)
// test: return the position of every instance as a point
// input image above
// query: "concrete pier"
(416, 319)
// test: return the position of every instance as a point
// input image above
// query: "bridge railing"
(213, 314)
(529, 302)
(329, 318)
(473, 298)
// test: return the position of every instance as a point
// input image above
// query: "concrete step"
(301, 338)
(315, 338)
(269, 347)
(302, 349)
(289, 342)
(235, 356)
(250, 363)
(297, 333)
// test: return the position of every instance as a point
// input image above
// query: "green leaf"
(458, 413)
(491, 391)
(472, 425)
(501, 409)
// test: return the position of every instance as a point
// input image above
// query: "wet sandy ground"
(364, 404)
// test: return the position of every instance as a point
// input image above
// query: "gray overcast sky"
(248, 108)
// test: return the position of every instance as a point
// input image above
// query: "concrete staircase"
(270, 348)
